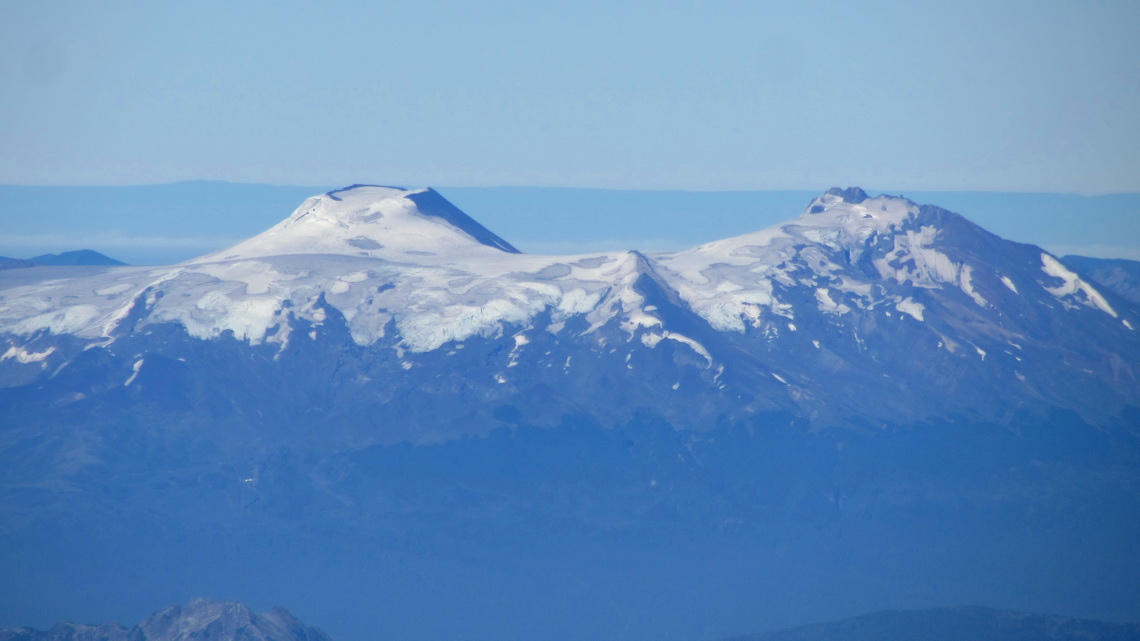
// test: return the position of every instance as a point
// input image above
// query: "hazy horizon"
(169, 223)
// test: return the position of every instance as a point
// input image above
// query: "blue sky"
(1006, 96)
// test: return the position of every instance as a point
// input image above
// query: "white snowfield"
(426, 279)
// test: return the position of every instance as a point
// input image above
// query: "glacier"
(379, 260)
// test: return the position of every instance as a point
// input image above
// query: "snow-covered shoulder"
(732, 283)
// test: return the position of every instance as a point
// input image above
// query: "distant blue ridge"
(78, 257)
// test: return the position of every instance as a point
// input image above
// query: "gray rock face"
(200, 620)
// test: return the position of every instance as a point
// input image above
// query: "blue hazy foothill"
(77, 257)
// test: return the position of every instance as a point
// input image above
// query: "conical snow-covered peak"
(371, 221)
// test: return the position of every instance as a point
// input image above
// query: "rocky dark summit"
(853, 195)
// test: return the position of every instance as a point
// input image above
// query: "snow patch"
(249, 318)
(913, 258)
(67, 320)
(134, 372)
(1072, 284)
(966, 281)
(909, 306)
(652, 339)
(114, 289)
(826, 304)
(24, 356)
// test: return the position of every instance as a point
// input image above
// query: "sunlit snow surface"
(427, 279)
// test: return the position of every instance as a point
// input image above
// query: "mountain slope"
(876, 403)
(888, 310)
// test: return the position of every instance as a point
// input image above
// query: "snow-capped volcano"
(877, 295)
(371, 221)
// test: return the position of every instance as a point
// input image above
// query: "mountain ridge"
(845, 269)
(878, 403)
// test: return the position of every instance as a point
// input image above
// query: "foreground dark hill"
(957, 624)
(378, 407)
(204, 619)
(200, 620)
